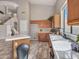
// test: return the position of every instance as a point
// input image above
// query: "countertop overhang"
(17, 37)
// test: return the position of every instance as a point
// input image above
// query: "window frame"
(63, 17)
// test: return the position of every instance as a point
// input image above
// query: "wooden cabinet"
(42, 23)
(44, 37)
(56, 21)
(73, 12)
(51, 49)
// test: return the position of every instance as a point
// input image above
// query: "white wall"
(24, 7)
(40, 12)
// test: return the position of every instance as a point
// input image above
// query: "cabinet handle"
(76, 19)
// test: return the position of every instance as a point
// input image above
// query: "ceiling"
(43, 2)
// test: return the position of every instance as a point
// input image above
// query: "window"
(64, 25)
(74, 29)
(67, 27)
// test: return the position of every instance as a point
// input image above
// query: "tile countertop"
(56, 37)
(17, 37)
(58, 41)
(58, 44)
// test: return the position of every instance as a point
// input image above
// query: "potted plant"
(77, 38)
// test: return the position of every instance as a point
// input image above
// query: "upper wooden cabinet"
(73, 12)
(56, 21)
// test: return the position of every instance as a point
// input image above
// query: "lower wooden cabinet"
(44, 37)
(51, 50)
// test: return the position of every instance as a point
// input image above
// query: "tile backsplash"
(71, 36)
(45, 29)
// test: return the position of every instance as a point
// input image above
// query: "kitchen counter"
(44, 32)
(16, 37)
(56, 37)
(63, 48)
(59, 44)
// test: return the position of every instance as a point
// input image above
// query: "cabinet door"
(56, 21)
(73, 11)
(44, 37)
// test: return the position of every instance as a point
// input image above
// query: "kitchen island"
(17, 37)
(9, 43)
(17, 41)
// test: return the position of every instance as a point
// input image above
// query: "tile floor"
(39, 50)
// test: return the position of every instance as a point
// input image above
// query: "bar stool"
(22, 51)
